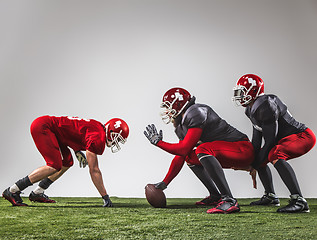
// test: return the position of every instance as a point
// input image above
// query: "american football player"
(284, 139)
(53, 136)
(207, 143)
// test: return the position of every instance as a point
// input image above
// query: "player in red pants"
(285, 138)
(207, 143)
(53, 136)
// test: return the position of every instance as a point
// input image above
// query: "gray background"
(104, 59)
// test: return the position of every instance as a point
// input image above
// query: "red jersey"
(79, 134)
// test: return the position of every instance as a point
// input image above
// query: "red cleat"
(42, 198)
(209, 201)
(13, 198)
(227, 205)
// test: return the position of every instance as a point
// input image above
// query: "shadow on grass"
(116, 205)
(184, 206)
(65, 206)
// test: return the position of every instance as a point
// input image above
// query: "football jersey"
(214, 128)
(269, 109)
(79, 134)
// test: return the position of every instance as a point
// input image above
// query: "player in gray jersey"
(285, 138)
(207, 143)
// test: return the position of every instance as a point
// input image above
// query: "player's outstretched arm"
(96, 177)
(182, 148)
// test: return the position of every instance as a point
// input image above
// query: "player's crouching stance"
(285, 138)
(219, 145)
(53, 136)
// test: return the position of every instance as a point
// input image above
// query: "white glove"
(81, 159)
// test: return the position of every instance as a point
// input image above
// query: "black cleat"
(266, 200)
(210, 200)
(42, 198)
(297, 204)
(13, 198)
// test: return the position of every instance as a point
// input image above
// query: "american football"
(154, 196)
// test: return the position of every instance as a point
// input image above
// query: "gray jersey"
(268, 109)
(214, 128)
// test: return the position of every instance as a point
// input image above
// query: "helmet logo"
(117, 124)
(179, 96)
(252, 81)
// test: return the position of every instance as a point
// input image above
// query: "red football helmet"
(174, 101)
(117, 132)
(248, 88)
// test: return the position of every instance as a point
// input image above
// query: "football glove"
(160, 185)
(81, 159)
(106, 201)
(152, 134)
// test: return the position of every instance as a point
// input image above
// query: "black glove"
(152, 135)
(160, 185)
(106, 201)
(81, 159)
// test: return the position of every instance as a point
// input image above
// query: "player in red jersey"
(284, 139)
(207, 143)
(53, 136)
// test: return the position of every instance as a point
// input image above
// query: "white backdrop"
(104, 59)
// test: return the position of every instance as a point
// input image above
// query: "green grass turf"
(134, 218)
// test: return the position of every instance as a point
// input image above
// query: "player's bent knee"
(55, 167)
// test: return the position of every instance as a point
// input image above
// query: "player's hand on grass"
(160, 185)
(81, 159)
(152, 134)
(106, 201)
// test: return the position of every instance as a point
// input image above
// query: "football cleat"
(227, 205)
(297, 204)
(14, 198)
(266, 200)
(41, 197)
(209, 201)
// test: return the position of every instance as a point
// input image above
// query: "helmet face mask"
(117, 132)
(168, 113)
(115, 139)
(240, 96)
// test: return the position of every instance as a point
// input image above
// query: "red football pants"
(229, 154)
(293, 146)
(55, 154)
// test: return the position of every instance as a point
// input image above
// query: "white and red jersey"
(79, 134)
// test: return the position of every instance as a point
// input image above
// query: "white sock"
(39, 190)
(14, 188)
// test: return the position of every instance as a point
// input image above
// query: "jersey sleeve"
(174, 169)
(95, 145)
(195, 118)
(184, 147)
